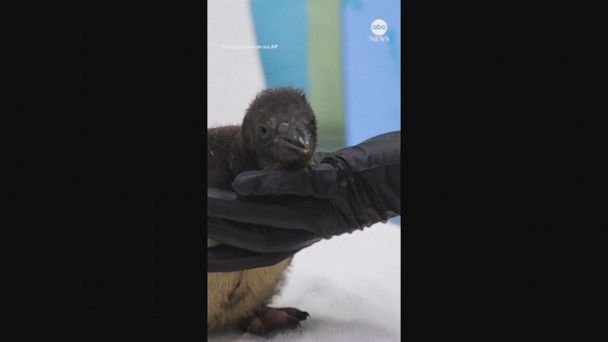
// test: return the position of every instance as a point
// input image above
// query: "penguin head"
(279, 128)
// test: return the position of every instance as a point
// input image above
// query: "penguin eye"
(262, 131)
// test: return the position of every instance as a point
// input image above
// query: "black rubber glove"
(281, 212)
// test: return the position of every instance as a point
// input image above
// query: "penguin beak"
(295, 137)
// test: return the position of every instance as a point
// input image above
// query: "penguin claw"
(299, 314)
(268, 319)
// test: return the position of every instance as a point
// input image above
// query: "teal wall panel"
(285, 23)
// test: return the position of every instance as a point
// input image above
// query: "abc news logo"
(379, 28)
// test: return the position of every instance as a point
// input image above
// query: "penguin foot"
(268, 319)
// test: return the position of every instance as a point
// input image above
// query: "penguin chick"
(277, 133)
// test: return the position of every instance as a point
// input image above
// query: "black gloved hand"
(285, 211)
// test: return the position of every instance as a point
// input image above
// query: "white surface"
(234, 76)
(350, 285)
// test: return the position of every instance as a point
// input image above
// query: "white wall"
(234, 75)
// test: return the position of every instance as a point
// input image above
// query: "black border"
(102, 190)
(505, 187)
